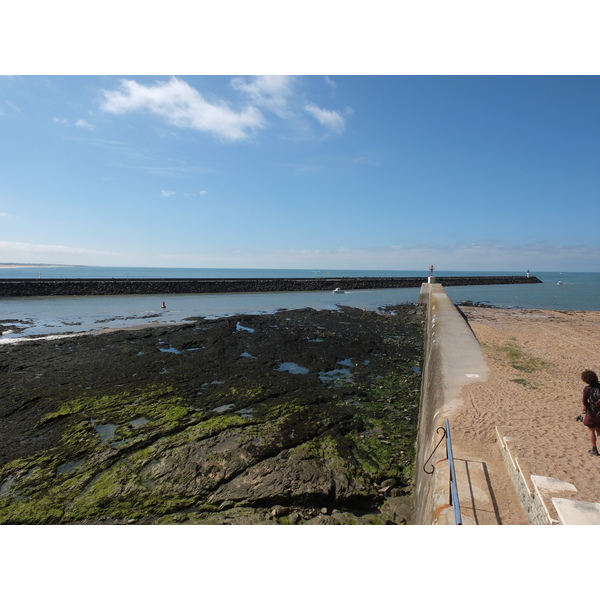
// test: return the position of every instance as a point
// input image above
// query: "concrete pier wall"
(452, 359)
(94, 287)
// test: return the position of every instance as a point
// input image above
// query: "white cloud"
(167, 193)
(452, 257)
(330, 82)
(44, 253)
(269, 91)
(83, 124)
(194, 194)
(331, 119)
(277, 93)
(80, 123)
(7, 107)
(183, 106)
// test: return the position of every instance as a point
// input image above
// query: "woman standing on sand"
(592, 416)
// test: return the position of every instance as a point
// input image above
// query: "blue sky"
(355, 172)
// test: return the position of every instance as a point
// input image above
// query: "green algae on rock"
(117, 431)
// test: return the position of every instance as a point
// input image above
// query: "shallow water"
(246, 413)
(578, 291)
(106, 432)
(335, 375)
(67, 468)
(170, 350)
(293, 368)
(51, 316)
(223, 408)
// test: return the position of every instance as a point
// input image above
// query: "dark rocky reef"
(299, 417)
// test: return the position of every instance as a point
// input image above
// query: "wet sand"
(534, 393)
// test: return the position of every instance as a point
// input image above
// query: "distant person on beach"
(592, 414)
(164, 305)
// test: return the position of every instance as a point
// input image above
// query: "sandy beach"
(533, 393)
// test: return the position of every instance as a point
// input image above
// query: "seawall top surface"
(461, 359)
(453, 359)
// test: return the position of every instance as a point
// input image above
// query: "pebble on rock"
(279, 511)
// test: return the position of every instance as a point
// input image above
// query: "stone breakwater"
(99, 287)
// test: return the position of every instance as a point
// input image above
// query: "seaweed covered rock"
(216, 421)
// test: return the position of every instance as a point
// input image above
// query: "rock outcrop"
(301, 416)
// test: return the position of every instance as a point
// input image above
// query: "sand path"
(533, 393)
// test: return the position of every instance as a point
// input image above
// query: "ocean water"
(50, 316)
(83, 272)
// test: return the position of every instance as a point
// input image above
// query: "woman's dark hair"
(589, 377)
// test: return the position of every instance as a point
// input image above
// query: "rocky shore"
(298, 417)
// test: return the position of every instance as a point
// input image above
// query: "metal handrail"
(454, 502)
(453, 487)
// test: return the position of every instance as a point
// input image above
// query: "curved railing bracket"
(443, 429)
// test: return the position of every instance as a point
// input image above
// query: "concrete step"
(547, 501)
(576, 512)
(477, 502)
